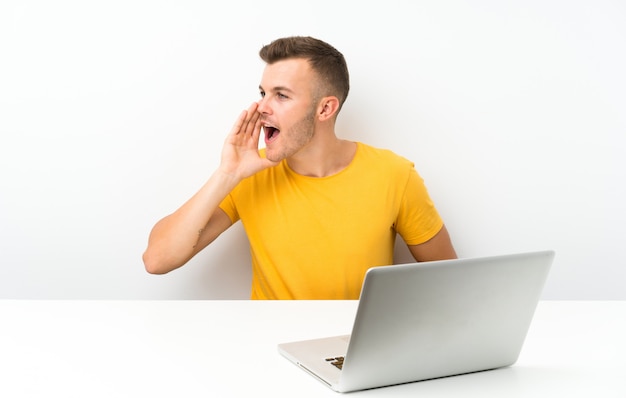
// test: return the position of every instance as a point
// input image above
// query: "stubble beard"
(294, 139)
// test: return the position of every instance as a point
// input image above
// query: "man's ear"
(327, 108)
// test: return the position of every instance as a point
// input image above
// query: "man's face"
(287, 107)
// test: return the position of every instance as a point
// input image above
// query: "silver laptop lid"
(428, 320)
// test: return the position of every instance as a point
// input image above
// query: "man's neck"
(323, 157)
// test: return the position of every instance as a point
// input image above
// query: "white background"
(113, 113)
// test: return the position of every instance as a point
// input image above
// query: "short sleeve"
(418, 219)
(228, 206)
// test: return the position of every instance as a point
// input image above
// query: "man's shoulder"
(382, 156)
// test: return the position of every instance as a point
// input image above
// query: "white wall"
(113, 113)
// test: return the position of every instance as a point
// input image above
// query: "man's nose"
(263, 106)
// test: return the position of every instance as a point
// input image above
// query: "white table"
(228, 349)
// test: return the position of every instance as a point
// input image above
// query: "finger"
(239, 123)
(252, 119)
(256, 131)
(254, 124)
(253, 107)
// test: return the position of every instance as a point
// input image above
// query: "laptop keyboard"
(336, 361)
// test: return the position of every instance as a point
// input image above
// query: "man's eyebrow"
(277, 88)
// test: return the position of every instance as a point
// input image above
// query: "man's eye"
(262, 94)
(282, 96)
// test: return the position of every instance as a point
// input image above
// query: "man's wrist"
(226, 177)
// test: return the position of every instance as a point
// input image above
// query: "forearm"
(179, 236)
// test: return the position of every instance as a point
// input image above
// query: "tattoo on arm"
(198, 240)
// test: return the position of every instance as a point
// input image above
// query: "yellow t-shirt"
(314, 238)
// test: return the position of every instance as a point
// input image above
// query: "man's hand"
(240, 154)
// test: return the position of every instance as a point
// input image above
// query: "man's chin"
(273, 156)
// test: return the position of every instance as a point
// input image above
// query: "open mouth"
(270, 133)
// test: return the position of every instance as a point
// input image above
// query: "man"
(318, 210)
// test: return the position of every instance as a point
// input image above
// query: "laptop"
(428, 320)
